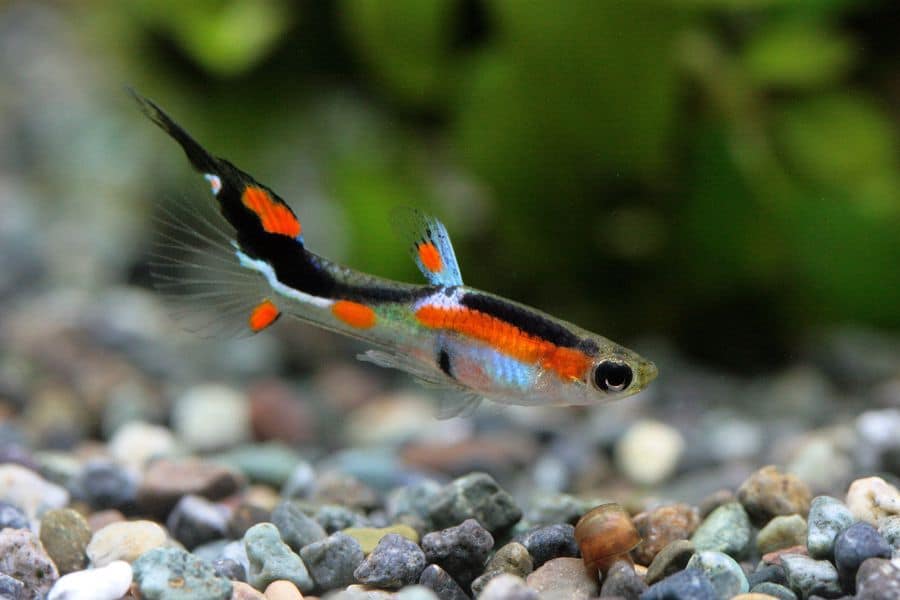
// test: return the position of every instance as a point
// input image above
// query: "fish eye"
(611, 376)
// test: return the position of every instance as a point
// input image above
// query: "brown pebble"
(278, 413)
(564, 578)
(245, 591)
(768, 493)
(166, 481)
(102, 518)
(661, 527)
(283, 590)
(774, 558)
(714, 501)
(604, 535)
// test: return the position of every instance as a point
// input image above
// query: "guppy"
(443, 333)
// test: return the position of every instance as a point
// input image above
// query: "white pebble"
(212, 417)
(649, 452)
(135, 443)
(29, 491)
(125, 540)
(872, 498)
(105, 583)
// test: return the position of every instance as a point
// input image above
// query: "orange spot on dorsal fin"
(264, 314)
(353, 314)
(430, 257)
(274, 216)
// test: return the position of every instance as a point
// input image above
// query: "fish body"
(443, 332)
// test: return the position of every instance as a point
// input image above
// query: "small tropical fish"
(443, 333)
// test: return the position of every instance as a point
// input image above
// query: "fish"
(473, 344)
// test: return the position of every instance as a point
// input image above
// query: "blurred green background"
(719, 173)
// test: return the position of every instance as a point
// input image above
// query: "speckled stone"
(395, 562)
(854, 545)
(106, 583)
(271, 559)
(781, 532)
(689, 584)
(661, 527)
(173, 574)
(296, 528)
(878, 579)
(724, 573)
(439, 581)
(474, 496)
(670, 560)
(460, 550)
(777, 591)
(622, 582)
(369, 537)
(332, 561)
(727, 529)
(807, 576)
(23, 557)
(889, 528)
(512, 558)
(828, 517)
(11, 588)
(125, 540)
(768, 493)
(65, 535)
(334, 517)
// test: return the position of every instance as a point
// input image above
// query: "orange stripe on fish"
(354, 314)
(568, 363)
(275, 217)
(430, 257)
(263, 315)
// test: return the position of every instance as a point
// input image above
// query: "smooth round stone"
(563, 578)
(23, 557)
(125, 540)
(173, 574)
(333, 517)
(166, 481)
(781, 532)
(369, 537)
(13, 589)
(29, 491)
(244, 591)
(508, 587)
(512, 558)
(301, 482)
(65, 535)
(332, 561)
(474, 496)
(621, 581)
(282, 590)
(854, 545)
(649, 452)
(828, 517)
(460, 550)
(271, 559)
(296, 528)
(195, 520)
(106, 583)
(12, 517)
(878, 579)
(724, 573)
(727, 529)
(871, 499)
(269, 463)
(104, 485)
(670, 560)
(137, 443)
(768, 493)
(775, 590)
(210, 417)
(396, 561)
(552, 541)
(690, 584)
(439, 581)
(807, 576)
(662, 526)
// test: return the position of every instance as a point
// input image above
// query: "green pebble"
(727, 529)
(65, 535)
(671, 559)
(807, 576)
(173, 574)
(781, 532)
(271, 559)
(726, 575)
(271, 463)
(368, 537)
(775, 590)
(828, 517)
(889, 528)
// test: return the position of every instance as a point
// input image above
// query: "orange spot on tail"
(430, 257)
(568, 363)
(275, 216)
(263, 315)
(354, 314)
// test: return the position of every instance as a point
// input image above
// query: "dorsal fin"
(429, 245)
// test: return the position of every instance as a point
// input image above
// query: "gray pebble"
(621, 581)
(334, 517)
(671, 559)
(229, 569)
(439, 581)
(474, 496)
(395, 562)
(12, 516)
(332, 561)
(296, 528)
(878, 579)
(173, 574)
(552, 541)
(727, 529)
(105, 485)
(22, 556)
(767, 573)
(807, 576)
(460, 550)
(11, 588)
(301, 482)
(690, 584)
(889, 528)
(828, 517)
(724, 573)
(272, 559)
(412, 499)
(854, 545)
(774, 589)
(195, 520)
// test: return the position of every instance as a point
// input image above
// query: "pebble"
(508, 587)
(282, 590)
(106, 485)
(369, 537)
(512, 558)
(564, 578)
(781, 532)
(271, 559)
(396, 561)
(229, 569)
(12, 516)
(244, 591)
(727, 529)
(135, 444)
(661, 527)
(775, 590)
(296, 528)
(100, 519)
(334, 517)
(125, 540)
(768, 493)
(173, 574)
(474, 496)
(439, 581)
(28, 491)
(106, 583)
(244, 516)
(878, 579)
(166, 481)
(301, 482)
(23, 557)
(724, 573)
(416, 592)
(872, 499)
(770, 573)
(412, 499)
(65, 535)
(210, 417)
(335, 487)
(889, 528)
(460, 550)
(552, 541)
(551, 508)
(689, 584)
(648, 453)
(621, 581)
(11, 588)
(195, 520)
(332, 561)
(669, 560)
(828, 517)
(269, 463)
(807, 576)
(855, 544)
